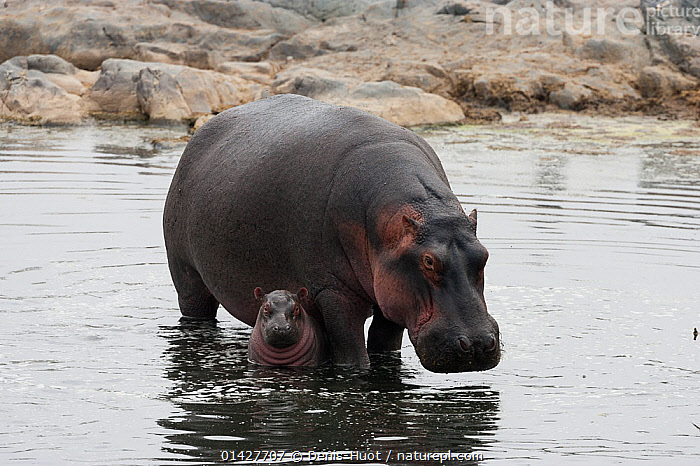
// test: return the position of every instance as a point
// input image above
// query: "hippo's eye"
(266, 310)
(296, 311)
(431, 267)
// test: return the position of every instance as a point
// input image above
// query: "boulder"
(72, 33)
(424, 81)
(128, 88)
(454, 9)
(115, 90)
(50, 64)
(405, 106)
(431, 77)
(677, 35)
(160, 97)
(294, 48)
(571, 97)
(174, 54)
(242, 14)
(507, 91)
(260, 72)
(659, 81)
(611, 51)
(30, 95)
(70, 83)
(317, 84)
(35, 99)
(88, 32)
(322, 10)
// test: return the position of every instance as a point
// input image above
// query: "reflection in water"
(228, 404)
(116, 151)
(550, 174)
(670, 164)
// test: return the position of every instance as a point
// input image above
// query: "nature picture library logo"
(668, 17)
(653, 17)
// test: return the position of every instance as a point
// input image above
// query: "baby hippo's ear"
(259, 294)
(302, 294)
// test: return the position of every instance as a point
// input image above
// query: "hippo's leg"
(195, 299)
(384, 335)
(344, 322)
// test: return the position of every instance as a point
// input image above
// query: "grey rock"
(572, 97)
(86, 35)
(322, 10)
(678, 36)
(241, 14)
(659, 81)
(295, 48)
(425, 81)
(159, 96)
(133, 89)
(50, 64)
(406, 106)
(172, 54)
(612, 51)
(316, 84)
(382, 90)
(115, 90)
(27, 95)
(261, 72)
(454, 9)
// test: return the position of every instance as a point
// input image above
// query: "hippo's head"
(280, 315)
(429, 277)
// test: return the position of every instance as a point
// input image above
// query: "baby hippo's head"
(281, 316)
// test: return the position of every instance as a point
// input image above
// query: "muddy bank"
(414, 62)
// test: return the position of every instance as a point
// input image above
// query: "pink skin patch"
(302, 353)
(308, 350)
(393, 292)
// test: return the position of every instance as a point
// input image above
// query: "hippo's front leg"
(384, 335)
(344, 320)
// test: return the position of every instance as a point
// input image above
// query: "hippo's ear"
(259, 293)
(401, 228)
(302, 293)
(472, 220)
(410, 225)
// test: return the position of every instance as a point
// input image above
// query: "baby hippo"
(284, 334)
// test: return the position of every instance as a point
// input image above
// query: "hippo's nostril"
(287, 327)
(490, 343)
(464, 344)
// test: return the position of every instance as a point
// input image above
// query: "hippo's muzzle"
(458, 349)
(280, 335)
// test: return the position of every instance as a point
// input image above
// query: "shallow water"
(593, 226)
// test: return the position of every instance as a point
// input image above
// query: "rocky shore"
(414, 62)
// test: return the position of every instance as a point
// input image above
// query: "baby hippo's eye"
(266, 310)
(296, 311)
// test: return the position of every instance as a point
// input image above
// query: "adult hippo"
(289, 192)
